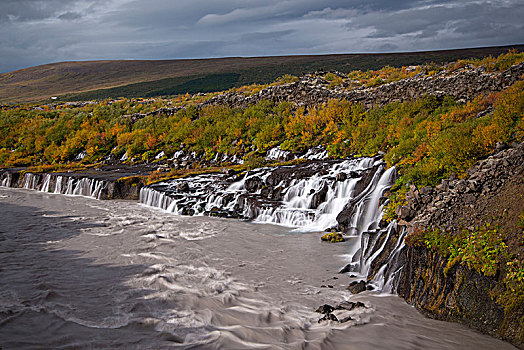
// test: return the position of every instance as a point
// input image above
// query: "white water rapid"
(308, 197)
(78, 273)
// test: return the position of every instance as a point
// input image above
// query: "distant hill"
(88, 80)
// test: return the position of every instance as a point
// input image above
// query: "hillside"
(74, 81)
(454, 134)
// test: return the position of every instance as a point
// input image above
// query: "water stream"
(82, 273)
(79, 273)
(309, 197)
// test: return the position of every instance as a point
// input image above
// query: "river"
(80, 273)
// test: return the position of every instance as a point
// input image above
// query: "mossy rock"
(333, 237)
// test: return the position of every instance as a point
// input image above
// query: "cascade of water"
(309, 202)
(153, 198)
(389, 272)
(47, 181)
(29, 181)
(318, 153)
(308, 197)
(373, 212)
(276, 153)
(97, 188)
(70, 185)
(364, 223)
(58, 184)
(81, 188)
(372, 251)
(7, 179)
(89, 187)
(62, 184)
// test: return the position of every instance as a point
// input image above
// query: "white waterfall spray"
(313, 196)
(47, 181)
(7, 178)
(307, 201)
(62, 184)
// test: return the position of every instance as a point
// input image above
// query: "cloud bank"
(43, 31)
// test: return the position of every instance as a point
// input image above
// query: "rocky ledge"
(463, 84)
(107, 182)
(492, 192)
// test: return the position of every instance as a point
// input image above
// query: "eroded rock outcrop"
(106, 184)
(492, 191)
(463, 84)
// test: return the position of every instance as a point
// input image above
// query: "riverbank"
(117, 274)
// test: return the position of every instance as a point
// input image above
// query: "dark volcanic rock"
(349, 305)
(325, 309)
(183, 187)
(347, 268)
(454, 203)
(341, 177)
(463, 84)
(319, 196)
(492, 189)
(459, 295)
(339, 313)
(356, 287)
(253, 184)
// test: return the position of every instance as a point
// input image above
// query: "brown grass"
(41, 82)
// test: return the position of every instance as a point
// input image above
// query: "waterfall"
(344, 195)
(307, 197)
(70, 186)
(87, 187)
(154, 198)
(7, 178)
(59, 184)
(30, 181)
(62, 184)
(276, 153)
(388, 274)
(47, 181)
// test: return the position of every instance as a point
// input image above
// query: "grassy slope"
(103, 79)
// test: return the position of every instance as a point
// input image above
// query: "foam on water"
(119, 275)
(309, 203)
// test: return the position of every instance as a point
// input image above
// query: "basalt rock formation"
(493, 190)
(108, 183)
(463, 84)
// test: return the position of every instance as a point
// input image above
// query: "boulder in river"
(340, 313)
(333, 237)
(356, 287)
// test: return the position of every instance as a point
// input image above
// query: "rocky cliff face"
(493, 190)
(488, 192)
(463, 84)
(460, 295)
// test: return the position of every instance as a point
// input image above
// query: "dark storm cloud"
(42, 31)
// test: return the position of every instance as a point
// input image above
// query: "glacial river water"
(79, 273)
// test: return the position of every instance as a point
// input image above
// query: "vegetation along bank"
(454, 133)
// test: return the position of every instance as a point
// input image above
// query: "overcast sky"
(36, 32)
